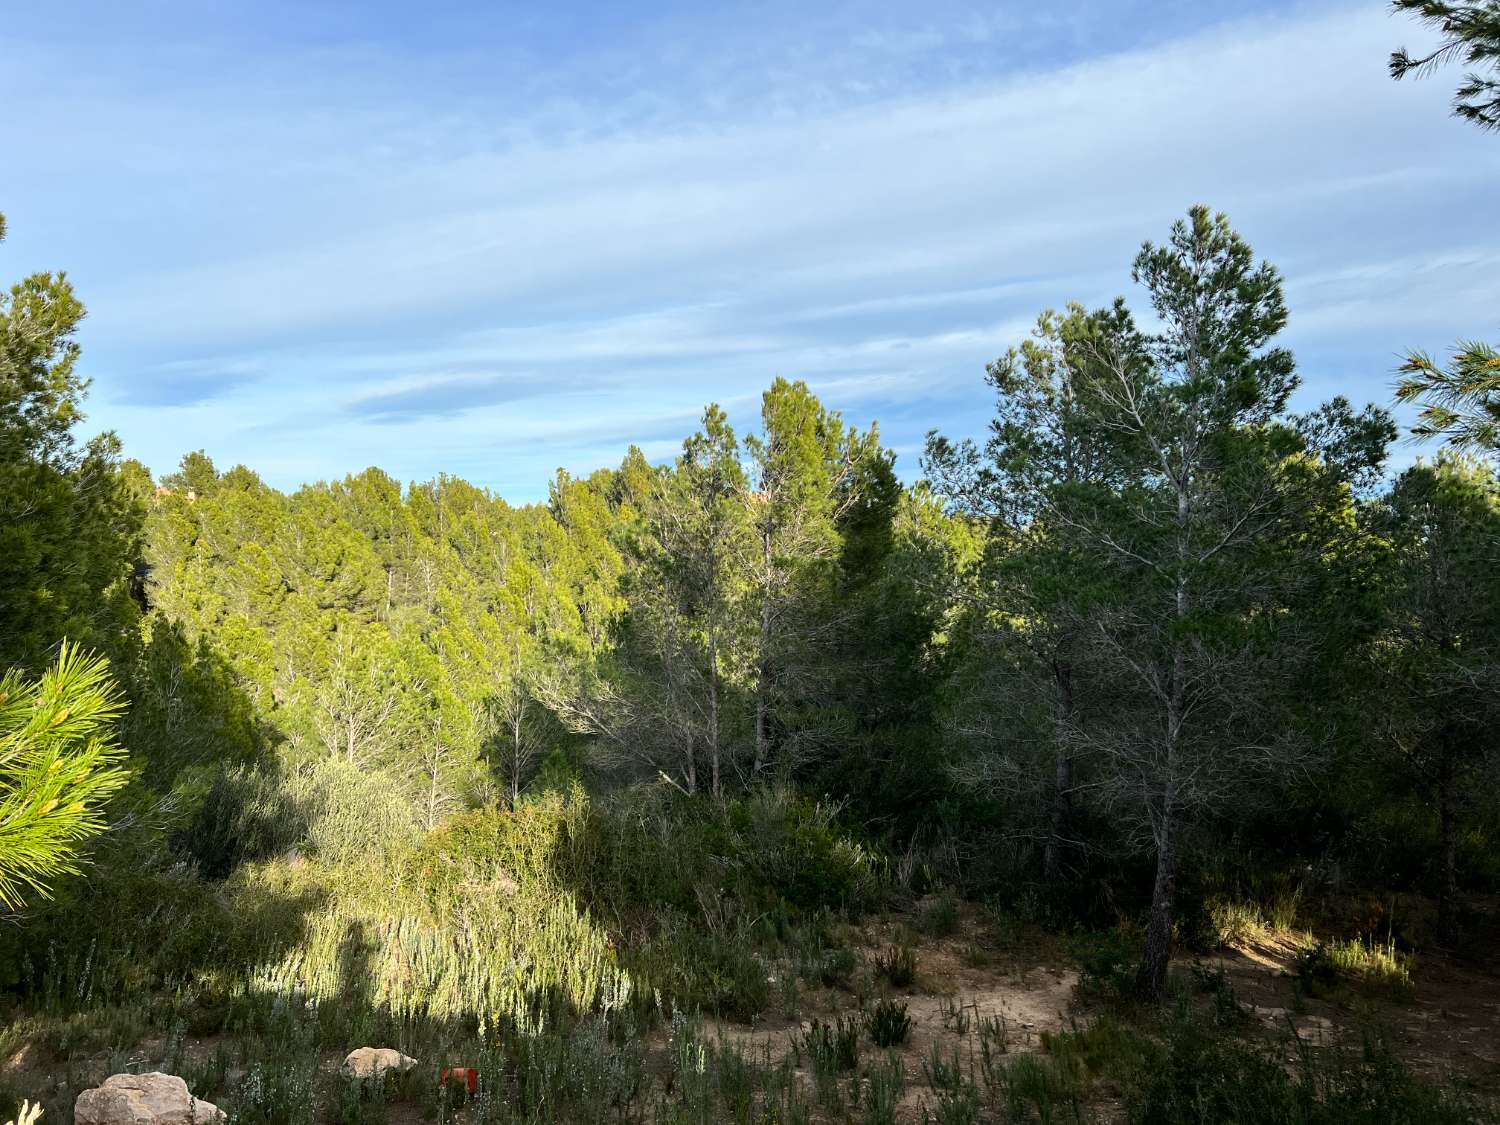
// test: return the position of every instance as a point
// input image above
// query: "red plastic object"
(469, 1074)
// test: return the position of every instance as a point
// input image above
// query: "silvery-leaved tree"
(666, 698)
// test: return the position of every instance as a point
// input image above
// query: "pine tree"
(1030, 605)
(1435, 692)
(69, 526)
(1460, 403)
(805, 471)
(1211, 511)
(1470, 31)
(59, 764)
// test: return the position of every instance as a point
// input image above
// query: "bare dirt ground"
(1029, 992)
(1448, 1029)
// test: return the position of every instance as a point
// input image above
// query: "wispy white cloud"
(424, 269)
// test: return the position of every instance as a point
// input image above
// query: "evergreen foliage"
(59, 766)
(404, 755)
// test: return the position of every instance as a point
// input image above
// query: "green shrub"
(1206, 1077)
(1042, 1089)
(245, 813)
(1315, 970)
(792, 844)
(897, 965)
(941, 917)
(1106, 963)
(1104, 1048)
(832, 968)
(356, 818)
(888, 1023)
(885, 1084)
(276, 1091)
(832, 1047)
(699, 971)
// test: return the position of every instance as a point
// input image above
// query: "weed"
(832, 1047)
(942, 1073)
(941, 917)
(885, 1084)
(956, 1105)
(1214, 982)
(1041, 1089)
(1375, 967)
(1204, 1077)
(888, 1023)
(957, 1017)
(1105, 1048)
(897, 965)
(1106, 964)
(976, 956)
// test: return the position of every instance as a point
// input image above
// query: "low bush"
(833, 1046)
(888, 1023)
(897, 965)
(1204, 1077)
(1107, 963)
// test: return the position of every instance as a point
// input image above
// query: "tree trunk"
(762, 704)
(1447, 920)
(1152, 980)
(713, 709)
(1062, 786)
(515, 762)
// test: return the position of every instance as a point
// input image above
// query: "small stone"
(372, 1062)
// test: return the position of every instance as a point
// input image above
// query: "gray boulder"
(143, 1099)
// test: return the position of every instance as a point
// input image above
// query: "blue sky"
(495, 239)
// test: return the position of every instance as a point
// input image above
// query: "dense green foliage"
(58, 768)
(407, 759)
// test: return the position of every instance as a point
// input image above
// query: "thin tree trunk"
(1447, 923)
(762, 707)
(1062, 787)
(1152, 980)
(515, 761)
(713, 707)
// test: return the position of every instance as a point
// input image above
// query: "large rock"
(372, 1062)
(143, 1099)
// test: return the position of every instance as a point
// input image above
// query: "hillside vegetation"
(759, 785)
